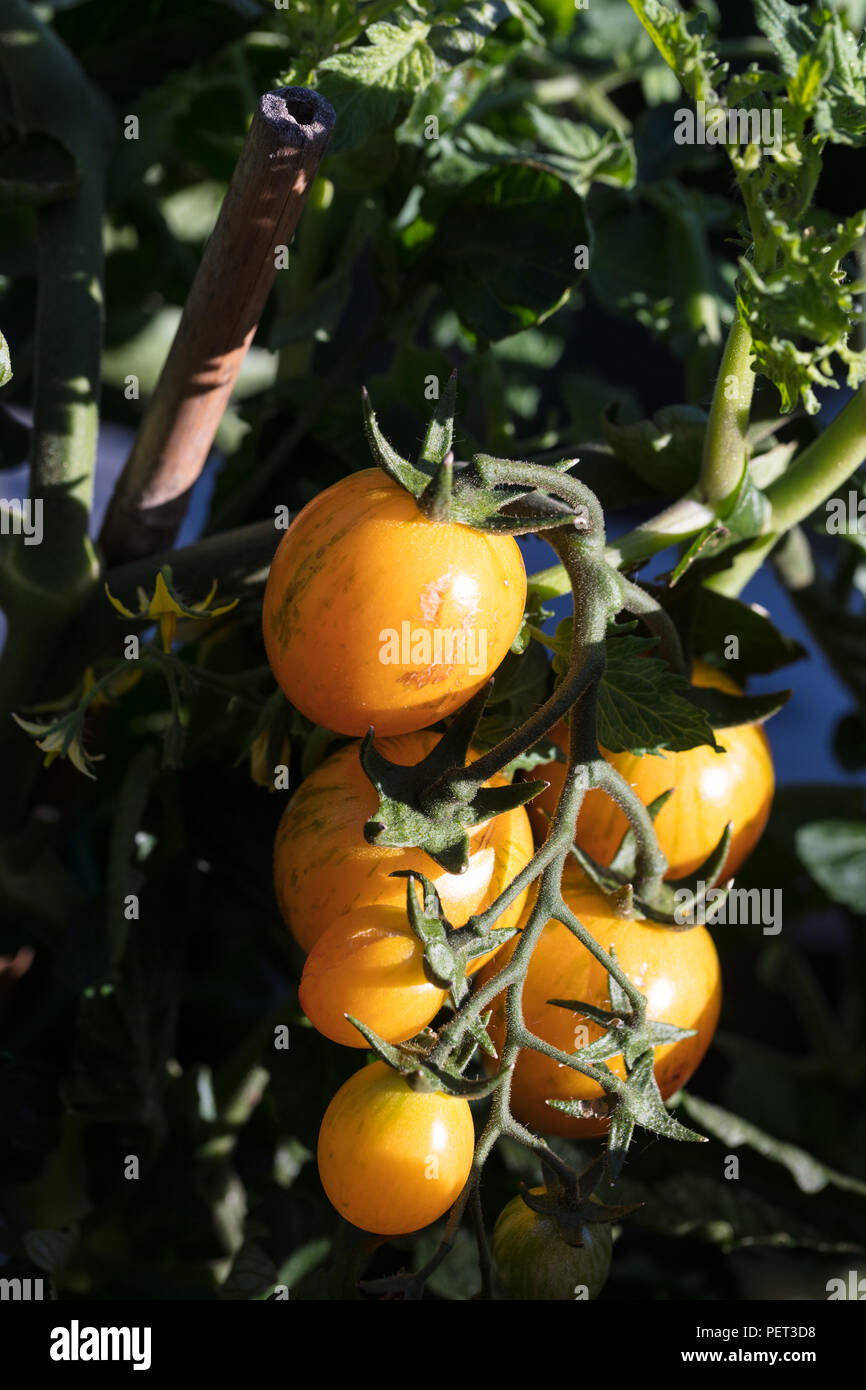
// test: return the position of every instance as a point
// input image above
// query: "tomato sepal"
(424, 1075)
(473, 494)
(447, 949)
(411, 478)
(636, 1101)
(476, 1036)
(676, 903)
(441, 962)
(625, 1034)
(571, 1201)
(431, 805)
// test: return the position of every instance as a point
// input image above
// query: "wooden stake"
(284, 146)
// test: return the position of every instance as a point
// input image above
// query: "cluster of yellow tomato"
(360, 560)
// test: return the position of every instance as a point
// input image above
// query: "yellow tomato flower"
(164, 607)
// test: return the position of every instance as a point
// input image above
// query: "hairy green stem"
(637, 601)
(679, 522)
(650, 863)
(726, 442)
(824, 465)
(812, 478)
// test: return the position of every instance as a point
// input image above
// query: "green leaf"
(582, 155)
(319, 313)
(715, 617)
(124, 1034)
(637, 268)
(253, 1274)
(664, 452)
(809, 1173)
(469, 152)
(681, 41)
(5, 362)
(802, 312)
(726, 711)
(535, 221)
(644, 706)
(785, 26)
(695, 1202)
(748, 518)
(370, 83)
(834, 852)
(457, 38)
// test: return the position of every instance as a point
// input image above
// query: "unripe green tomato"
(532, 1260)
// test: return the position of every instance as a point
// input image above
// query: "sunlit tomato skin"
(532, 1260)
(370, 965)
(324, 869)
(711, 789)
(677, 971)
(391, 1159)
(375, 615)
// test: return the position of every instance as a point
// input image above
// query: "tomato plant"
(404, 407)
(324, 868)
(533, 1261)
(435, 608)
(392, 1159)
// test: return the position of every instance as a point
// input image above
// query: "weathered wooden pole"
(284, 146)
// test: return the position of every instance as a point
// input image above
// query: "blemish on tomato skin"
(429, 675)
(432, 597)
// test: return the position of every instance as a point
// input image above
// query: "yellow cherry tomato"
(370, 965)
(391, 1159)
(375, 615)
(324, 869)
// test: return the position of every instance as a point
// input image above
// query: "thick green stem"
(681, 521)
(637, 601)
(822, 467)
(293, 290)
(726, 442)
(43, 585)
(811, 479)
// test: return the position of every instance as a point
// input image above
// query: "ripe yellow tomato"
(711, 789)
(677, 971)
(374, 615)
(371, 965)
(324, 869)
(392, 1159)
